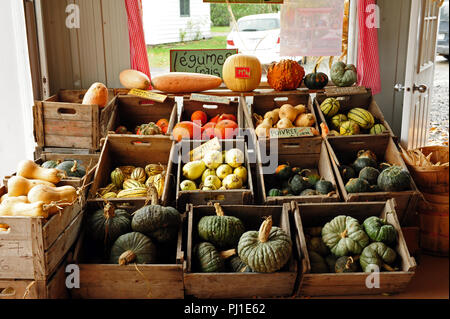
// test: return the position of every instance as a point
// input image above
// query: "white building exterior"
(175, 20)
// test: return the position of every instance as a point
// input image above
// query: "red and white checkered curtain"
(138, 49)
(368, 64)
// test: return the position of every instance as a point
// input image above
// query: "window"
(259, 25)
(185, 8)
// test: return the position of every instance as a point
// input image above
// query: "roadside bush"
(220, 16)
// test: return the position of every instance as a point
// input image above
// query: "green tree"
(220, 16)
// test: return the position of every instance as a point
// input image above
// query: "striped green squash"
(378, 129)
(337, 120)
(131, 183)
(117, 177)
(362, 117)
(330, 107)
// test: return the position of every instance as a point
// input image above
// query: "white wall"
(16, 94)
(162, 21)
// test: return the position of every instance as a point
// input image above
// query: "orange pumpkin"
(242, 73)
(285, 75)
(227, 117)
(96, 95)
(163, 125)
(187, 130)
(200, 117)
(228, 129)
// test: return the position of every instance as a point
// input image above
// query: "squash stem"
(109, 210)
(344, 233)
(227, 253)
(219, 209)
(127, 257)
(74, 167)
(264, 230)
(387, 267)
(153, 195)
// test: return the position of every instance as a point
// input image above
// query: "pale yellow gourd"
(31, 170)
(305, 120)
(18, 208)
(15, 199)
(19, 186)
(61, 196)
(289, 112)
(284, 123)
(300, 108)
(263, 129)
(273, 115)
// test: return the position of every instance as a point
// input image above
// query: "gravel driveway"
(438, 130)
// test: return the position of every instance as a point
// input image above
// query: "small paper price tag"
(209, 98)
(198, 152)
(339, 91)
(148, 95)
(292, 132)
(242, 72)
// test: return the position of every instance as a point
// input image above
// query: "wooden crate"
(136, 150)
(89, 161)
(239, 285)
(61, 121)
(99, 280)
(32, 248)
(333, 284)
(348, 102)
(265, 102)
(211, 109)
(131, 111)
(53, 288)
(343, 151)
(317, 162)
(199, 197)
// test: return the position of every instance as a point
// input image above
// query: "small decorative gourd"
(380, 230)
(117, 177)
(377, 254)
(220, 230)
(107, 224)
(343, 74)
(133, 247)
(316, 80)
(357, 185)
(207, 258)
(330, 107)
(266, 250)
(285, 75)
(139, 175)
(158, 222)
(344, 236)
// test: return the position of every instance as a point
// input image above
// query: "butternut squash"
(17, 208)
(59, 196)
(181, 82)
(19, 186)
(289, 112)
(134, 79)
(96, 95)
(31, 170)
(15, 199)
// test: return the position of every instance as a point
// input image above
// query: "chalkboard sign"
(199, 61)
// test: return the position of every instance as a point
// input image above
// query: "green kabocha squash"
(317, 245)
(343, 74)
(330, 107)
(283, 172)
(380, 230)
(309, 192)
(346, 264)
(357, 185)
(378, 254)
(117, 178)
(324, 187)
(107, 224)
(207, 258)
(344, 236)
(337, 120)
(298, 184)
(362, 162)
(347, 173)
(266, 250)
(50, 164)
(133, 247)
(383, 166)
(274, 192)
(362, 117)
(370, 174)
(157, 222)
(394, 179)
(378, 129)
(331, 262)
(233, 262)
(317, 263)
(220, 230)
(316, 80)
(72, 169)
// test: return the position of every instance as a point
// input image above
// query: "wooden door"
(420, 66)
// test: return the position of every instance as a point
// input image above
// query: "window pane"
(184, 8)
(259, 25)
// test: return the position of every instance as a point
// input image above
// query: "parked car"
(442, 45)
(257, 35)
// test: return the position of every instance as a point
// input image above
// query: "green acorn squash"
(370, 174)
(220, 230)
(283, 172)
(298, 184)
(159, 223)
(344, 236)
(107, 224)
(346, 264)
(343, 74)
(347, 172)
(316, 80)
(380, 230)
(324, 187)
(357, 185)
(133, 247)
(377, 254)
(50, 164)
(266, 250)
(72, 169)
(394, 179)
(362, 162)
(383, 166)
(207, 258)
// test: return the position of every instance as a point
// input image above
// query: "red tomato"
(199, 116)
(228, 128)
(227, 117)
